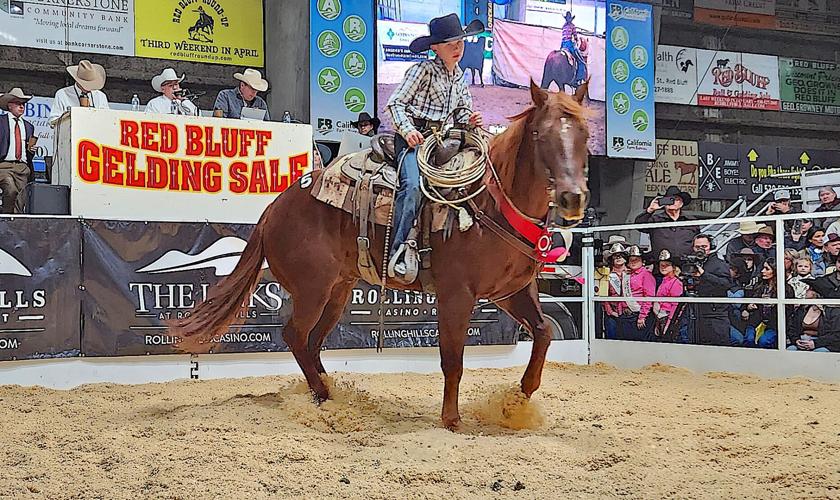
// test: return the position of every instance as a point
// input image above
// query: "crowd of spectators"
(682, 262)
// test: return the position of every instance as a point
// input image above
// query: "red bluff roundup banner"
(139, 166)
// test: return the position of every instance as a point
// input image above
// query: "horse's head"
(557, 130)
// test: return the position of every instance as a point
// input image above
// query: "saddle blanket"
(338, 190)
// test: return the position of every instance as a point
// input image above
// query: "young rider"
(430, 90)
(570, 41)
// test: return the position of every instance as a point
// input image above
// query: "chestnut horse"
(311, 250)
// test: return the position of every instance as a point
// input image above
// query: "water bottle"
(135, 103)
(287, 117)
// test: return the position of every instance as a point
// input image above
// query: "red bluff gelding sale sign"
(182, 168)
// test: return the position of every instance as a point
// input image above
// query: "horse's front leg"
(525, 308)
(454, 312)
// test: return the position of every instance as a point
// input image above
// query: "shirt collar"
(439, 62)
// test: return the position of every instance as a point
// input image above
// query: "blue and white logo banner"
(341, 65)
(631, 130)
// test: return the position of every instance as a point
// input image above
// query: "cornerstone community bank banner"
(210, 31)
(129, 165)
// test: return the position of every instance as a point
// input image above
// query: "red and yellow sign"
(159, 167)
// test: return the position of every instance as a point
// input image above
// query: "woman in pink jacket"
(636, 323)
(671, 286)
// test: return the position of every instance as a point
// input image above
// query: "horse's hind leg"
(329, 318)
(524, 307)
(307, 308)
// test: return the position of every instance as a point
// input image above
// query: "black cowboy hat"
(675, 191)
(445, 29)
(365, 117)
(569, 16)
(824, 287)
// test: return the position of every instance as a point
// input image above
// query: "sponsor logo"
(627, 12)
(725, 75)
(20, 308)
(618, 144)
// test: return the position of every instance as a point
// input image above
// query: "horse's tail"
(230, 296)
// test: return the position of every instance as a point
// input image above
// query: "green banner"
(809, 86)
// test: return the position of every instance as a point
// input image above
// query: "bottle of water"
(287, 117)
(135, 103)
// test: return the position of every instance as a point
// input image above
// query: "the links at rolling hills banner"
(209, 31)
(137, 276)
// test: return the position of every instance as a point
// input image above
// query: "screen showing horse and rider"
(558, 46)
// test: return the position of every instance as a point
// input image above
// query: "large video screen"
(524, 41)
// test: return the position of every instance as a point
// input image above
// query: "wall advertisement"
(631, 124)
(208, 31)
(809, 86)
(735, 80)
(129, 165)
(341, 65)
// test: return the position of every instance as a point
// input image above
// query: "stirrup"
(407, 253)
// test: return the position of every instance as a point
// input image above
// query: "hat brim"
(424, 43)
(259, 86)
(373, 121)
(5, 99)
(158, 81)
(96, 84)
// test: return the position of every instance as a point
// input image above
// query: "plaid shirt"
(568, 33)
(429, 92)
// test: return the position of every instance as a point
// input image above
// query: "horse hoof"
(452, 424)
(320, 398)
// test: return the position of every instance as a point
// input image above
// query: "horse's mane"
(507, 143)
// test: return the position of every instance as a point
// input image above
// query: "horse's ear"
(538, 95)
(580, 93)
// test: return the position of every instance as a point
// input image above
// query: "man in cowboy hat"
(170, 102)
(89, 80)
(430, 90)
(366, 125)
(570, 40)
(17, 146)
(679, 240)
(230, 102)
(747, 230)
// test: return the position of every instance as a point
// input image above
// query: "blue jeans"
(736, 338)
(610, 327)
(818, 349)
(408, 199)
(767, 340)
(580, 74)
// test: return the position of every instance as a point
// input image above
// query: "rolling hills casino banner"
(39, 288)
(138, 277)
(128, 165)
(735, 80)
(208, 31)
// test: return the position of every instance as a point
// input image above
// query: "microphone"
(188, 94)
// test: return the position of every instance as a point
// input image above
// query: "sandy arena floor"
(657, 432)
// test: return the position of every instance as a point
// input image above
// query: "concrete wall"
(287, 57)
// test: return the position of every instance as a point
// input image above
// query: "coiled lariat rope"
(437, 177)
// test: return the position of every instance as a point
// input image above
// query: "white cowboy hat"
(167, 75)
(15, 93)
(87, 74)
(253, 78)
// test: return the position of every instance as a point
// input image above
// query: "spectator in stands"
(713, 280)
(814, 248)
(781, 204)
(639, 322)
(366, 125)
(171, 101)
(663, 312)
(17, 148)
(617, 262)
(831, 250)
(230, 102)
(796, 235)
(90, 78)
(752, 268)
(828, 200)
(802, 269)
(762, 321)
(817, 327)
(740, 277)
(747, 230)
(678, 239)
(765, 242)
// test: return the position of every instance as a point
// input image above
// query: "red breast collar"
(532, 230)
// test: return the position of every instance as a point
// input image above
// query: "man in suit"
(17, 148)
